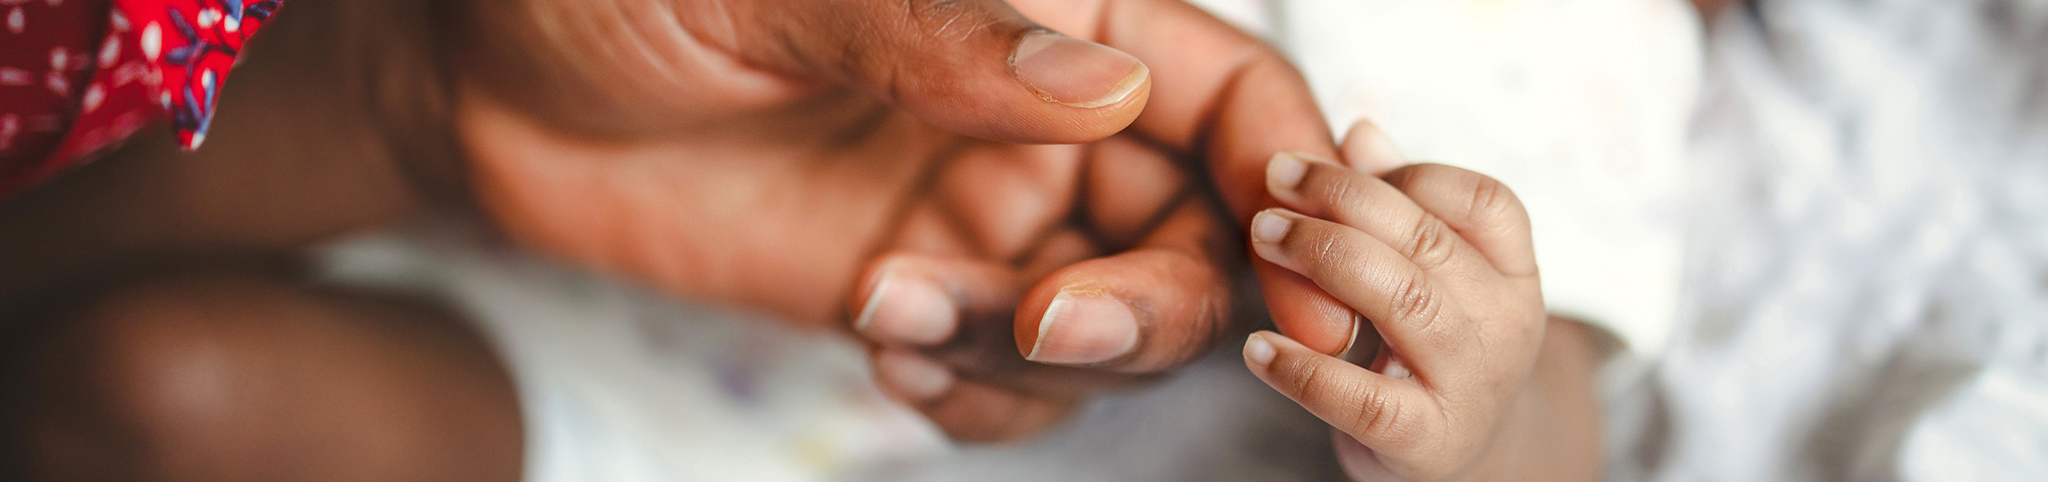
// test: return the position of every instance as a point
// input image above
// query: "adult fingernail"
(1258, 350)
(912, 375)
(1285, 171)
(1082, 328)
(1270, 227)
(1076, 72)
(905, 309)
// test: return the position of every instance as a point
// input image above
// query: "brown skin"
(811, 168)
(1441, 261)
(1709, 8)
(274, 180)
(214, 376)
(298, 160)
(323, 173)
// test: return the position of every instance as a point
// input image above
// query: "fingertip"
(902, 306)
(1271, 226)
(1258, 352)
(976, 412)
(1281, 342)
(1145, 310)
(1084, 327)
(1284, 172)
(1278, 360)
(979, 69)
(912, 376)
(1268, 234)
(1075, 91)
(1075, 72)
(1368, 149)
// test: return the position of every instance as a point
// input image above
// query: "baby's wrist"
(1551, 431)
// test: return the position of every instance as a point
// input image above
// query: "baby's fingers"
(1482, 210)
(1397, 419)
(1404, 302)
(1331, 191)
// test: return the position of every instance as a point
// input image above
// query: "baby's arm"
(1439, 260)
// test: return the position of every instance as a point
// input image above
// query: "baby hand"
(1439, 260)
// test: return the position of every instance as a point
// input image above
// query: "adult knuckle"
(932, 11)
(949, 20)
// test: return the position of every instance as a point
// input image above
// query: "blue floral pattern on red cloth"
(77, 76)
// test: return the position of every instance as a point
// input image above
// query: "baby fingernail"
(1081, 329)
(1258, 350)
(905, 309)
(912, 375)
(1285, 171)
(1076, 72)
(1270, 227)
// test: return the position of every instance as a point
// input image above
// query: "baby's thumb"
(975, 67)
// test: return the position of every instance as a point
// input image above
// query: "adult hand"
(853, 161)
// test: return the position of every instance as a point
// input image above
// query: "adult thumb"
(975, 67)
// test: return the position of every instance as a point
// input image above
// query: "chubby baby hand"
(1438, 259)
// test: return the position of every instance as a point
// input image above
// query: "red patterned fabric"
(77, 76)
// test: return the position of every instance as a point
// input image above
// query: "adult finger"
(938, 318)
(975, 412)
(1217, 92)
(921, 377)
(1155, 307)
(1482, 210)
(920, 300)
(1394, 417)
(976, 67)
(909, 376)
(1403, 301)
(1229, 99)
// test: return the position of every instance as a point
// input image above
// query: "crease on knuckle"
(947, 20)
(929, 11)
(1381, 416)
(1429, 244)
(1493, 205)
(1338, 192)
(1325, 248)
(1416, 304)
(1308, 380)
